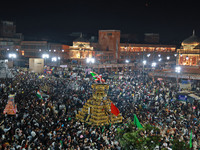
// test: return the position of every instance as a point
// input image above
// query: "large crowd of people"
(51, 124)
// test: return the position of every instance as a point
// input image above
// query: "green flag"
(61, 142)
(191, 139)
(94, 75)
(137, 122)
(103, 129)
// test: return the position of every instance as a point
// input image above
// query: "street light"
(168, 57)
(177, 70)
(153, 64)
(54, 59)
(127, 61)
(12, 56)
(45, 56)
(58, 61)
(153, 67)
(159, 59)
(144, 62)
(90, 60)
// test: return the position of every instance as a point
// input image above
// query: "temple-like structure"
(97, 110)
(189, 51)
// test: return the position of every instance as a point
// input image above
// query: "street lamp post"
(127, 66)
(127, 61)
(56, 59)
(90, 61)
(168, 57)
(177, 70)
(144, 62)
(45, 56)
(153, 67)
(12, 56)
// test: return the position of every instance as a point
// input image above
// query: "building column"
(132, 67)
(123, 68)
(111, 68)
(98, 68)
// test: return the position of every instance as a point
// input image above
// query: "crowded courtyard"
(51, 123)
(99, 75)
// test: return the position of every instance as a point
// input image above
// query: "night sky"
(174, 20)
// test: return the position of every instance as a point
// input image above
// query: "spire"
(193, 32)
(81, 35)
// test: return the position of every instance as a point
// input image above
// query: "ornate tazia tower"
(11, 107)
(97, 109)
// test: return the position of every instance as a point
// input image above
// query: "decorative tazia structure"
(11, 107)
(99, 110)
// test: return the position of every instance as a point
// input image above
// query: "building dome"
(81, 39)
(192, 40)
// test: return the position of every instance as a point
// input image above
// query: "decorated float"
(99, 109)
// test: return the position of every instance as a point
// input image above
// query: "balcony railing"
(189, 51)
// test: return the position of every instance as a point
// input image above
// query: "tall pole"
(155, 66)
(143, 64)
(177, 70)
(13, 62)
(44, 61)
(177, 80)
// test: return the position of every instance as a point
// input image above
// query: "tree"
(146, 138)
(132, 138)
(179, 145)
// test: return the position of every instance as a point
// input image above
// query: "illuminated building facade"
(113, 51)
(80, 50)
(189, 51)
(143, 51)
(108, 49)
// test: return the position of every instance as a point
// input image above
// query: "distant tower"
(151, 37)
(109, 40)
(7, 29)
